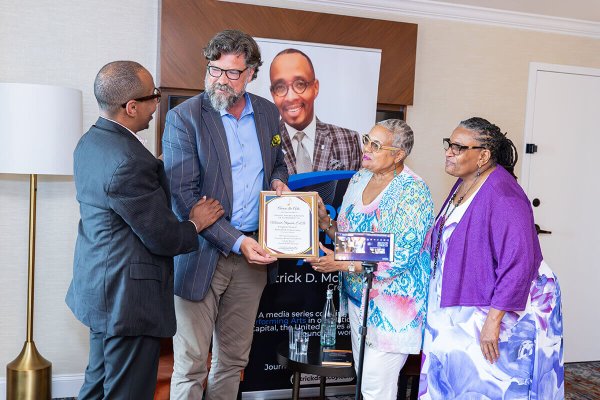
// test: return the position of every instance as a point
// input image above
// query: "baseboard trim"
(62, 386)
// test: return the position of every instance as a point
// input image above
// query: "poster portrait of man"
(322, 109)
(309, 143)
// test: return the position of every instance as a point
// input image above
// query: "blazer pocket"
(145, 271)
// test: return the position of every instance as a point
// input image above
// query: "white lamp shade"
(40, 126)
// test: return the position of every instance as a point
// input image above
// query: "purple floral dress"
(531, 346)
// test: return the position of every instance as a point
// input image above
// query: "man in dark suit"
(122, 286)
(309, 144)
(223, 143)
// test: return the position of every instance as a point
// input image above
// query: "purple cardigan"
(493, 254)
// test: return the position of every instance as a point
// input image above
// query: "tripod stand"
(368, 269)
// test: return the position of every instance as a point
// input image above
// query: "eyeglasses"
(299, 86)
(232, 74)
(458, 148)
(155, 95)
(376, 145)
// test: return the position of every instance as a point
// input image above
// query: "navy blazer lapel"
(264, 138)
(212, 119)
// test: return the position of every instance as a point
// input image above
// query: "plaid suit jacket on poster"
(336, 148)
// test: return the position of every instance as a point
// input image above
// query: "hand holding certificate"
(288, 224)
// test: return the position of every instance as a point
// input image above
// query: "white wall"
(462, 70)
(57, 42)
(466, 70)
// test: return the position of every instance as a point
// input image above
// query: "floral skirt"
(531, 349)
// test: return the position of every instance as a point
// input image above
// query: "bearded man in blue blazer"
(122, 286)
(223, 143)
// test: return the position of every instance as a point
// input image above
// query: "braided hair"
(502, 149)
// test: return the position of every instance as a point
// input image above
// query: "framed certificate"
(288, 224)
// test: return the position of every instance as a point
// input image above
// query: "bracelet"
(351, 267)
(328, 226)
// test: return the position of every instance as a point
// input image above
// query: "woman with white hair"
(384, 196)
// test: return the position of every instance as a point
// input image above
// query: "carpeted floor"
(582, 382)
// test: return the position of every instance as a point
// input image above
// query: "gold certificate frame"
(288, 224)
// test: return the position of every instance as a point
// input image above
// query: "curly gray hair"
(231, 41)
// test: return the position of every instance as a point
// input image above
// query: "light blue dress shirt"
(247, 170)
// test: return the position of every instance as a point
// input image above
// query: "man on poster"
(309, 144)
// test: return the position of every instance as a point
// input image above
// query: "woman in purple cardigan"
(494, 321)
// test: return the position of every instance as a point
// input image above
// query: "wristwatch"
(351, 267)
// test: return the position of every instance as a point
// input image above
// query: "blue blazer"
(123, 268)
(198, 164)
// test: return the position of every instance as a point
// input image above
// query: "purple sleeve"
(516, 251)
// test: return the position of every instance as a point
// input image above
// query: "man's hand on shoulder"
(254, 253)
(205, 213)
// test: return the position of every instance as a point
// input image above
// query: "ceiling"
(588, 10)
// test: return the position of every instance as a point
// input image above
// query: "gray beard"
(221, 102)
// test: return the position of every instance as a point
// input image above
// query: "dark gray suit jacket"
(198, 164)
(123, 269)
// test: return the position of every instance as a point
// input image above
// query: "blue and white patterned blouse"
(398, 298)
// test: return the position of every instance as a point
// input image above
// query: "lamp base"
(29, 376)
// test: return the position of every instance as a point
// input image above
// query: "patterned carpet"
(582, 382)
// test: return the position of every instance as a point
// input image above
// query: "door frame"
(534, 68)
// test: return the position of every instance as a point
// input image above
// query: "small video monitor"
(364, 246)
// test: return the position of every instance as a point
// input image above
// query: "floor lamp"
(39, 128)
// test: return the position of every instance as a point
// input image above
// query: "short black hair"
(296, 51)
(116, 83)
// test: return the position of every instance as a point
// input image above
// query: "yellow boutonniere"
(276, 141)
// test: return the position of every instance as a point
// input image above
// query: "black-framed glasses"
(458, 148)
(299, 86)
(376, 145)
(156, 94)
(232, 74)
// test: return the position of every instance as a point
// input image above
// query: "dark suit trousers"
(121, 367)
